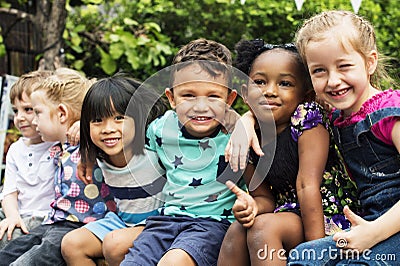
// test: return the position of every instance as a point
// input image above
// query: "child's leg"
(30, 223)
(271, 235)
(177, 257)
(46, 251)
(234, 249)
(198, 242)
(117, 243)
(80, 247)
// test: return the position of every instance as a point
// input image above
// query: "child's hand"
(245, 208)
(242, 138)
(324, 104)
(361, 235)
(85, 172)
(9, 225)
(230, 119)
(73, 134)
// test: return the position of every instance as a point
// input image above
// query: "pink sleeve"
(383, 129)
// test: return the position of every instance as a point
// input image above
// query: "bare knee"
(114, 248)
(176, 257)
(71, 245)
(234, 240)
(276, 229)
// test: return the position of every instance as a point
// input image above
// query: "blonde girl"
(340, 51)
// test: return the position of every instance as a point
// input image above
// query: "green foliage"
(2, 46)
(141, 37)
(104, 37)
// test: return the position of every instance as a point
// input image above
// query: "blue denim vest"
(373, 164)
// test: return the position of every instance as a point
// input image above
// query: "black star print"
(196, 182)
(147, 141)
(159, 141)
(227, 213)
(182, 208)
(178, 161)
(205, 145)
(171, 194)
(212, 198)
(225, 172)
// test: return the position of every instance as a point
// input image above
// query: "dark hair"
(211, 56)
(248, 50)
(118, 94)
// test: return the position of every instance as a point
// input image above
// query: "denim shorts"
(201, 238)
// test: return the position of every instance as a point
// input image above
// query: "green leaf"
(133, 59)
(130, 22)
(2, 50)
(78, 64)
(116, 50)
(152, 25)
(107, 63)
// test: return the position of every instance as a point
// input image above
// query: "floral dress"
(337, 188)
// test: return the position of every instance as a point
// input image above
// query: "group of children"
(162, 191)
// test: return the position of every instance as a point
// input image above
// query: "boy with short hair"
(28, 185)
(190, 143)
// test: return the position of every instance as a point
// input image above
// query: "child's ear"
(372, 62)
(231, 97)
(62, 113)
(170, 96)
(244, 90)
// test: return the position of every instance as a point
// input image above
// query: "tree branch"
(19, 14)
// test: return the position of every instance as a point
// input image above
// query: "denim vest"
(373, 164)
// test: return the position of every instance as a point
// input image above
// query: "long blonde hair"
(362, 39)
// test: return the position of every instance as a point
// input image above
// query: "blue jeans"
(324, 252)
(42, 246)
(30, 222)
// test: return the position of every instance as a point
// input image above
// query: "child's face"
(46, 122)
(277, 87)
(340, 76)
(23, 117)
(199, 100)
(111, 135)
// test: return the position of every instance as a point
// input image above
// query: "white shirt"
(30, 172)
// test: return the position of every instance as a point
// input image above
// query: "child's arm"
(366, 234)
(73, 134)
(396, 135)
(243, 137)
(313, 149)
(13, 218)
(85, 171)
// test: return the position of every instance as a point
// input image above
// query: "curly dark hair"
(213, 57)
(248, 50)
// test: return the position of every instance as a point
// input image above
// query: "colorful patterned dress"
(337, 189)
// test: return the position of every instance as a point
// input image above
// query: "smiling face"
(341, 76)
(199, 100)
(276, 87)
(23, 117)
(112, 135)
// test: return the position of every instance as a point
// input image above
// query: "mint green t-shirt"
(195, 168)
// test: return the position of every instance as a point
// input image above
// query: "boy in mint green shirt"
(190, 143)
